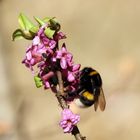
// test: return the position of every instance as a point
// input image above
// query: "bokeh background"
(103, 34)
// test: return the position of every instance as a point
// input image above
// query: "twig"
(64, 105)
(60, 81)
(77, 134)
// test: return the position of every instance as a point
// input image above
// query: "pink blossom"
(36, 41)
(69, 120)
(71, 76)
(59, 36)
(34, 55)
(65, 57)
(47, 84)
(73, 71)
(44, 39)
(47, 42)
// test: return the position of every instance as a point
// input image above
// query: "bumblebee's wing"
(101, 100)
(96, 93)
(96, 102)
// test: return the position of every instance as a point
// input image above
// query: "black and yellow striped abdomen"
(87, 98)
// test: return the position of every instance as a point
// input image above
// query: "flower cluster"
(41, 45)
(45, 53)
(69, 120)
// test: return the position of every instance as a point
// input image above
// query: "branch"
(64, 105)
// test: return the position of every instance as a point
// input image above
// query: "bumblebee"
(90, 89)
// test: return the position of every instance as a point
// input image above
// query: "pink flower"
(34, 55)
(73, 71)
(51, 43)
(69, 120)
(64, 56)
(59, 36)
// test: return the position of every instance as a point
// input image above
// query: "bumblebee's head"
(85, 71)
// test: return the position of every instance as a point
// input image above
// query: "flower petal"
(71, 77)
(68, 120)
(63, 49)
(58, 54)
(36, 40)
(76, 67)
(69, 56)
(63, 63)
(54, 59)
(47, 84)
(28, 55)
(68, 128)
(52, 44)
(32, 62)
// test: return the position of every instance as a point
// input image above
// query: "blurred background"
(103, 34)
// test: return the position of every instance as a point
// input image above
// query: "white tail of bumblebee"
(79, 103)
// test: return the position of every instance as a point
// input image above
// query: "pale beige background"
(104, 34)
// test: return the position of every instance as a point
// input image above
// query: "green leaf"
(34, 30)
(49, 32)
(18, 34)
(38, 81)
(41, 22)
(24, 22)
(47, 19)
